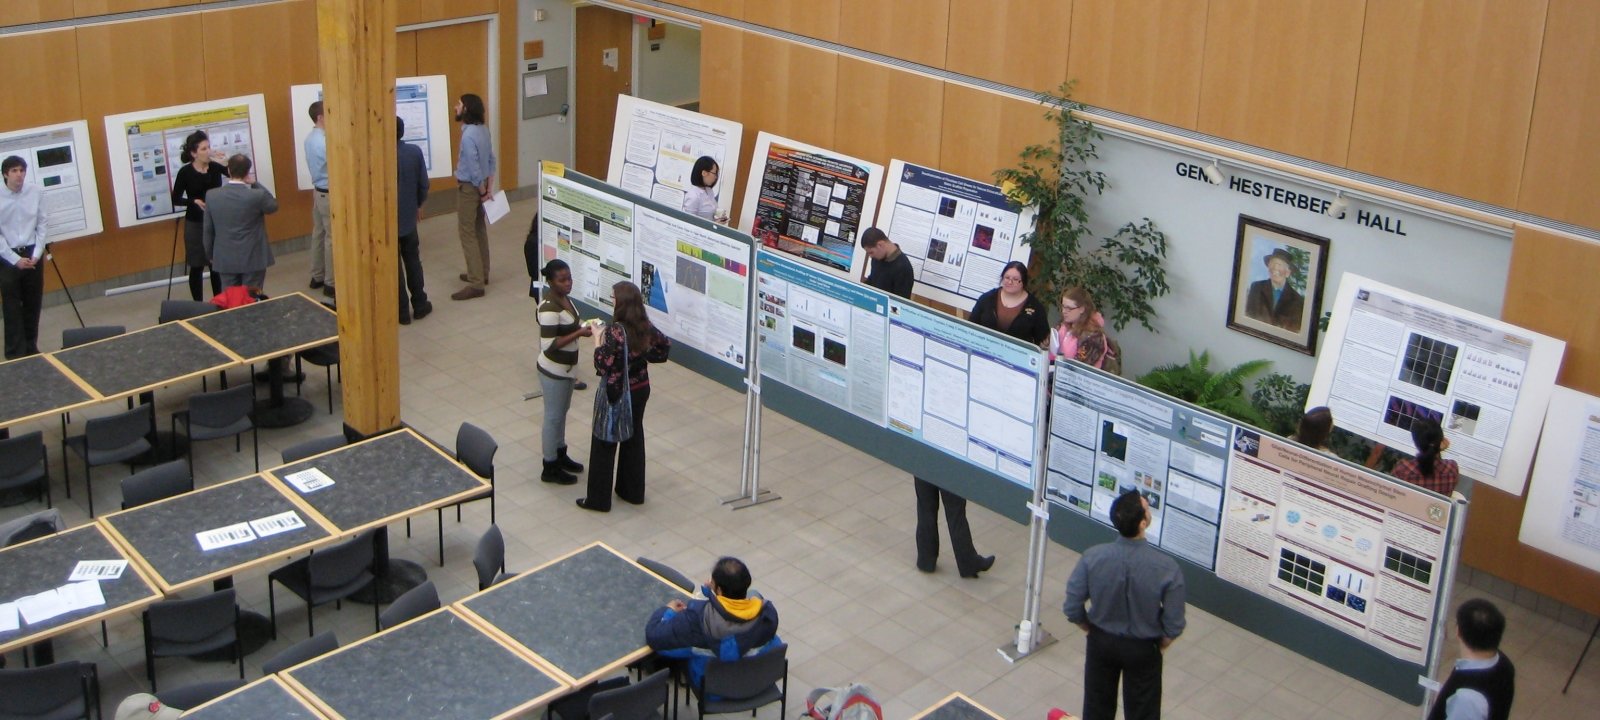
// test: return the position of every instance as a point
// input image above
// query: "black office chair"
(24, 463)
(73, 337)
(65, 690)
(107, 440)
(490, 559)
(314, 647)
(315, 446)
(31, 527)
(667, 572)
(194, 695)
(156, 483)
(416, 602)
(184, 628)
(324, 356)
(745, 684)
(325, 576)
(643, 700)
(220, 414)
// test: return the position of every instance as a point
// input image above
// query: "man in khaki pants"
(475, 180)
(316, 147)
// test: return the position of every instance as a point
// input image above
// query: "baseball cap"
(145, 706)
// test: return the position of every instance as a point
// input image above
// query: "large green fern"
(1221, 392)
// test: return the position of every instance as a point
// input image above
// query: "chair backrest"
(667, 573)
(748, 676)
(195, 619)
(490, 558)
(21, 454)
(73, 337)
(31, 527)
(322, 355)
(317, 446)
(300, 652)
(45, 691)
(476, 448)
(222, 408)
(638, 701)
(156, 483)
(119, 430)
(341, 563)
(191, 696)
(183, 310)
(416, 602)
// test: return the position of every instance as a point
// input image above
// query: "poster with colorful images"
(59, 163)
(145, 150)
(810, 203)
(958, 233)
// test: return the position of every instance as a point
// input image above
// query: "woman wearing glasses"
(1082, 332)
(1011, 309)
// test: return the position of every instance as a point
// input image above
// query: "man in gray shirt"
(1134, 597)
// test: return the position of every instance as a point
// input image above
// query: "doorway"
(604, 70)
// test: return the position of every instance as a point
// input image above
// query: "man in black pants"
(413, 190)
(1134, 594)
(1483, 681)
(22, 232)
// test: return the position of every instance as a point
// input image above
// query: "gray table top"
(956, 707)
(264, 699)
(45, 564)
(163, 533)
(143, 360)
(262, 330)
(583, 613)
(35, 386)
(383, 479)
(439, 666)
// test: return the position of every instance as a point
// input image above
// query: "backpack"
(1112, 361)
(851, 702)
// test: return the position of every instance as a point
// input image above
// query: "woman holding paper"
(1011, 309)
(1082, 332)
(1427, 470)
(622, 360)
(199, 174)
(559, 330)
(701, 199)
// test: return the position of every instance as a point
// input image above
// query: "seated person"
(732, 623)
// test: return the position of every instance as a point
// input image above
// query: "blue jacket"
(705, 629)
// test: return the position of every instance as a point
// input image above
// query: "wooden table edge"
(273, 679)
(155, 596)
(298, 501)
(494, 632)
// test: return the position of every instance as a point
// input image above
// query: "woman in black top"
(199, 174)
(1011, 309)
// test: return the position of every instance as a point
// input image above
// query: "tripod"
(74, 303)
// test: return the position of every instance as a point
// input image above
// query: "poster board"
(592, 231)
(145, 149)
(958, 233)
(1392, 356)
(654, 148)
(60, 164)
(424, 104)
(1562, 515)
(810, 203)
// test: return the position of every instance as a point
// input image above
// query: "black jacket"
(1031, 325)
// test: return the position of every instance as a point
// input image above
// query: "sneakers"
(467, 293)
(553, 473)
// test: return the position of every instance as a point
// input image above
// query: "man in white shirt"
(22, 229)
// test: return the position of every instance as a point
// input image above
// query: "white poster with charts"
(145, 150)
(424, 104)
(654, 147)
(1393, 357)
(1562, 516)
(958, 233)
(59, 163)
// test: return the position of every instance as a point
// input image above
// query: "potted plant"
(1221, 392)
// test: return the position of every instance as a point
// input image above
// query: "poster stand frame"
(750, 493)
(1031, 636)
(1441, 612)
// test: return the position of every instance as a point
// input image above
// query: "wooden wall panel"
(405, 55)
(21, 12)
(984, 132)
(230, 73)
(1282, 74)
(1451, 113)
(1551, 289)
(90, 8)
(1141, 58)
(795, 98)
(813, 18)
(43, 69)
(914, 30)
(1017, 42)
(886, 113)
(725, 8)
(722, 94)
(1560, 174)
(460, 53)
(410, 12)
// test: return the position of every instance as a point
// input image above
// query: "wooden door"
(460, 53)
(601, 31)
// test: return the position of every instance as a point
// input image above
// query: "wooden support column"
(356, 42)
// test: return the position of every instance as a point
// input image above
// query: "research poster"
(968, 391)
(1354, 550)
(810, 203)
(59, 163)
(424, 103)
(696, 283)
(958, 233)
(1562, 515)
(654, 148)
(592, 231)
(1109, 436)
(1392, 357)
(822, 335)
(145, 150)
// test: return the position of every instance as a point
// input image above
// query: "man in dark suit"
(1272, 301)
(413, 191)
(235, 230)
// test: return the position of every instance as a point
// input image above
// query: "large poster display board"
(654, 147)
(145, 150)
(592, 231)
(59, 163)
(1109, 436)
(422, 102)
(959, 233)
(1353, 550)
(1562, 516)
(810, 203)
(824, 336)
(1392, 356)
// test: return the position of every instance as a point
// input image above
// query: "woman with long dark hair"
(1315, 428)
(622, 360)
(701, 198)
(199, 174)
(559, 330)
(1011, 309)
(1427, 470)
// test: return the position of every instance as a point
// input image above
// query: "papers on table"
(244, 532)
(8, 617)
(309, 480)
(274, 524)
(60, 601)
(98, 570)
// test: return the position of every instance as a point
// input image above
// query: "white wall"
(550, 137)
(670, 75)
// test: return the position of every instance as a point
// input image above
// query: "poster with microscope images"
(1109, 436)
(1357, 551)
(810, 203)
(1393, 357)
(145, 150)
(59, 163)
(958, 233)
(592, 231)
(822, 335)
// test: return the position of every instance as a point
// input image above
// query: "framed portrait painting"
(1276, 293)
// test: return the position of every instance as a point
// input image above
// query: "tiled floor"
(835, 553)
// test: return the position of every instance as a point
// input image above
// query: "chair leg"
(376, 623)
(311, 618)
(330, 389)
(66, 460)
(149, 657)
(441, 536)
(88, 484)
(255, 444)
(272, 608)
(491, 502)
(408, 527)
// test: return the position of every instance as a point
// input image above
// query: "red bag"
(233, 297)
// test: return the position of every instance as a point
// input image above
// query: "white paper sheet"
(274, 524)
(8, 618)
(39, 608)
(496, 207)
(224, 536)
(80, 595)
(308, 481)
(97, 570)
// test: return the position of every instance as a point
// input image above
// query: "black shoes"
(984, 563)
(586, 506)
(567, 463)
(553, 473)
(315, 285)
(422, 312)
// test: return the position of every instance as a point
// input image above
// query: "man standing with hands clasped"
(22, 229)
(474, 181)
(1134, 594)
(316, 147)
